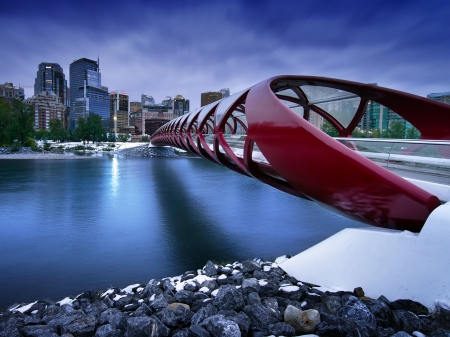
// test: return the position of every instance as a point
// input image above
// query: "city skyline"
(185, 48)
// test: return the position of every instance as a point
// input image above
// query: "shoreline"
(249, 298)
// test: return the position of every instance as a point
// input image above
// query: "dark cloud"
(185, 47)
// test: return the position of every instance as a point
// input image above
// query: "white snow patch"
(303, 304)
(444, 304)
(129, 289)
(204, 289)
(118, 297)
(289, 289)
(176, 279)
(24, 308)
(138, 290)
(274, 265)
(331, 290)
(128, 305)
(106, 293)
(313, 294)
(180, 286)
(201, 278)
(238, 287)
(214, 293)
(281, 259)
(141, 300)
(222, 277)
(64, 301)
(206, 300)
(152, 298)
(262, 283)
(235, 271)
(267, 268)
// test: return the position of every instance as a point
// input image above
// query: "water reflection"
(114, 175)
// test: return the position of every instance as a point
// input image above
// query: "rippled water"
(75, 225)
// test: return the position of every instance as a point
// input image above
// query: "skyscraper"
(119, 111)
(443, 97)
(87, 95)
(50, 77)
(180, 105)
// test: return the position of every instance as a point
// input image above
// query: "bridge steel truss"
(255, 133)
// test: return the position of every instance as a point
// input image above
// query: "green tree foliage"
(329, 129)
(82, 131)
(412, 133)
(42, 134)
(123, 137)
(96, 129)
(22, 120)
(57, 130)
(5, 123)
(395, 130)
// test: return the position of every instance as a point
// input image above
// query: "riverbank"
(252, 298)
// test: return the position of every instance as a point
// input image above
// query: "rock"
(336, 326)
(243, 322)
(198, 331)
(356, 310)
(191, 286)
(107, 330)
(222, 280)
(384, 332)
(383, 314)
(260, 275)
(175, 305)
(358, 292)
(210, 284)
(219, 326)
(114, 317)
(184, 296)
(210, 269)
(268, 288)
(38, 331)
(302, 321)
(253, 298)
(401, 334)
(168, 286)
(409, 305)
(259, 316)
(440, 333)
(143, 310)
(281, 329)
(160, 302)
(331, 305)
(95, 309)
(228, 298)
(146, 326)
(406, 321)
(203, 313)
(150, 289)
(250, 285)
(250, 266)
(83, 326)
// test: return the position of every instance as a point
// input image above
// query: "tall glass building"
(50, 77)
(87, 95)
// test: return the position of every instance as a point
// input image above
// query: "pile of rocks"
(146, 151)
(22, 150)
(252, 298)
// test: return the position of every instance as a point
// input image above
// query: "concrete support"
(396, 264)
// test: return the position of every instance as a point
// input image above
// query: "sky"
(164, 48)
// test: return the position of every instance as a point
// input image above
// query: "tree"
(5, 122)
(57, 130)
(95, 126)
(82, 131)
(412, 133)
(123, 137)
(42, 134)
(395, 130)
(329, 129)
(23, 120)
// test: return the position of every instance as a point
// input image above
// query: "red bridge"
(267, 132)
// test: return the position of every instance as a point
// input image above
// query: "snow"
(303, 304)
(418, 334)
(267, 268)
(64, 301)
(129, 289)
(289, 289)
(138, 290)
(140, 301)
(222, 277)
(152, 298)
(262, 283)
(238, 287)
(235, 271)
(118, 297)
(201, 278)
(24, 308)
(106, 293)
(34, 312)
(440, 303)
(128, 305)
(214, 293)
(204, 289)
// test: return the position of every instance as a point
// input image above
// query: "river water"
(68, 226)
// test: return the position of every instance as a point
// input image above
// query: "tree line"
(17, 127)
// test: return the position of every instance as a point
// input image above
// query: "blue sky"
(166, 48)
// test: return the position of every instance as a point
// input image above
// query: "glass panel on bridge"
(287, 92)
(340, 104)
(236, 144)
(297, 108)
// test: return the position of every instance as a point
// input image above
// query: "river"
(68, 226)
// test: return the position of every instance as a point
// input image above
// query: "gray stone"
(150, 289)
(355, 309)
(83, 326)
(331, 305)
(114, 317)
(401, 334)
(243, 322)
(203, 313)
(146, 326)
(210, 269)
(281, 329)
(38, 331)
(259, 316)
(384, 332)
(409, 305)
(302, 321)
(406, 321)
(440, 333)
(253, 298)
(210, 284)
(160, 302)
(250, 266)
(168, 286)
(198, 331)
(143, 310)
(184, 296)
(228, 298)
(251, 283)
(268, 289)
(219, 326)
(260, 275)
(107, 330)
(383, 314)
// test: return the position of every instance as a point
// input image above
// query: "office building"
(153, 114)
(135, 107)
(8, 92)
(443, 97)
(87, 95)
(50, 77)
(180, 105)
(209, 97)
(119, 111)
(47, 106)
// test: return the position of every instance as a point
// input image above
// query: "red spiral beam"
(302, 160)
